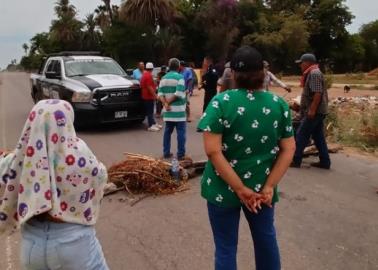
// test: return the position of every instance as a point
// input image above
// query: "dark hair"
(251, 80)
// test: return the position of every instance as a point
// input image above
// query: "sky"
(20, 20)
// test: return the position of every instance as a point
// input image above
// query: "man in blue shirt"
(138, 72)
(188, 77)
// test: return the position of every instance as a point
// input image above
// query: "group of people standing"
(51, 185)
(250, 142)
(170, 91)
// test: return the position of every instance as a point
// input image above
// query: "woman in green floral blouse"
(248, 138)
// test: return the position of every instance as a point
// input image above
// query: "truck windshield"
(91, 67)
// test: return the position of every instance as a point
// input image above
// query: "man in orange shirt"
(149, 96)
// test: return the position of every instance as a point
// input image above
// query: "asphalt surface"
(325, 219)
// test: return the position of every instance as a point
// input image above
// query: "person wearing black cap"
(313, 110)
(248, 138)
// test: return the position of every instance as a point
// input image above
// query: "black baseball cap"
(307, 57)
(247, 59)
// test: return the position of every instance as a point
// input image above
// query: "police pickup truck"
(97, 87)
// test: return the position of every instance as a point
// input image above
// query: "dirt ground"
(332, 93)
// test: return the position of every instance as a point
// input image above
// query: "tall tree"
(91, 37)
(66, 29)
(369, 34)
(216, 18)
(280, 38)
(25, 47)
(109, 9)
(193, 36)
(106, 14)
(327, 21)
(102, 19)
(64, 8)
(40, 44)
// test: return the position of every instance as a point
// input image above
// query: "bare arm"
(278, 82)
(152, 91)
(213, 149)
(285, 156)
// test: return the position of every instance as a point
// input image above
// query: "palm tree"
(25, 47)
(66, 29)
(91, 37)
(63, 7)
(109, 9)
(149, 12)
(102, 19)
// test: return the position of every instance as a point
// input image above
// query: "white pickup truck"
(99, 90)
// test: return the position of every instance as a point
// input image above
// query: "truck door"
(53, 83)
(55, 87)
(45, 82)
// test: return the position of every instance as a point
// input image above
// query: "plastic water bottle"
(175, 169)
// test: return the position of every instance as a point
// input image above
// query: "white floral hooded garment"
(51, 170)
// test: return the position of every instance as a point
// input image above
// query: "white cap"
(149, 65)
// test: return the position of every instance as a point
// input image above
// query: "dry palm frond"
(143, 174)
(150, 12)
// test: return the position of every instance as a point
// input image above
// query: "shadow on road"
(111, 128)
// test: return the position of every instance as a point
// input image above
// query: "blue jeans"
(312, 128)
(225, 226)
(149, 106)
(181, 138)
(64, 246)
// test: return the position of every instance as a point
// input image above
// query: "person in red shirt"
(149, 96)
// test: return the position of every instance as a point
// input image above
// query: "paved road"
(325, 220)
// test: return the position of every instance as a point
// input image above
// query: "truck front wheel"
(37, 95)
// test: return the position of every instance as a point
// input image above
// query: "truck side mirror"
(53, 75)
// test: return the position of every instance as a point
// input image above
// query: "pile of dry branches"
(143, 174)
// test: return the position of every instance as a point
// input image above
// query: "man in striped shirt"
(172, 95)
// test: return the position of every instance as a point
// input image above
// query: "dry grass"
(354, 125)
